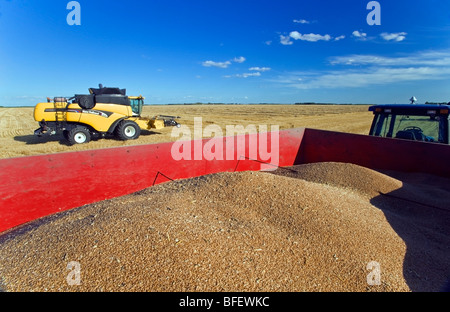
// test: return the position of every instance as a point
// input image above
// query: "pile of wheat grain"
(315, 227)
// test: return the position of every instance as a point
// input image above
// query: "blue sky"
(227, 51)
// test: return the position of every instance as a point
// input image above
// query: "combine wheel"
(128, 130)
(78, 135)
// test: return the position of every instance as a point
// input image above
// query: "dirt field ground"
(17, 125)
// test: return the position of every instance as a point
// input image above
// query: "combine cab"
(103, 111)
(426, 123)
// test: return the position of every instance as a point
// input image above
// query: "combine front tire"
(128, 130)
(78, 135)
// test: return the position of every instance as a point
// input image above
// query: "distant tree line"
(314, 103)
(436, 103)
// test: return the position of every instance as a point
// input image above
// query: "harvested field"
(17, 125)
(314, 227)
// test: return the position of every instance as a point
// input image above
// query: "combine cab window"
(416, 128)
(136, 106)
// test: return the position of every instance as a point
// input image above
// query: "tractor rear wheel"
(78, 135)
(128, 130)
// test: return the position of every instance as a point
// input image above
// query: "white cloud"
(363, 78)
(363, 60)
(423, 58)
(370, 76)
(295, 35)
(362, 36)
(261, 69)
(239, 59)
(374, 70)
(256, 72)
(244, 75)
(359, 35)
(225, 64)
(285, 40)
(394, 36)
(309, 37)
(339, 38)
(216, 64)
(302, 21)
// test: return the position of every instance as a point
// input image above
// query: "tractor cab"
(425, 123)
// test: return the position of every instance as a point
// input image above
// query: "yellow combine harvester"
(103, 111)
